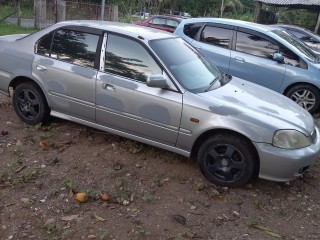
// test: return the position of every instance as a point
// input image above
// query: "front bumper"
(278, 164)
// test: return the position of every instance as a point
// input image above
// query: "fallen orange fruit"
(105, 197)
(82, 197)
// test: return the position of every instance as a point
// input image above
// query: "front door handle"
(41, 68)
(108, 87)
(239, 59)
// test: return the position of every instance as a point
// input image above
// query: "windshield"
(193, 71)
(312, 34)
(295, 42)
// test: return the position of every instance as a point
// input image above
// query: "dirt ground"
(154, 194)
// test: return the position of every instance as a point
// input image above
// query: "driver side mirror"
(278, 57)
(157, 81)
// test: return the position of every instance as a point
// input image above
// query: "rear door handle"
(197, 47)
(239, 59)
(41, 68)
(108, 87)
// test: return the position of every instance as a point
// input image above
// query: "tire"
(30, 104)
(306, 96)
(227, 160)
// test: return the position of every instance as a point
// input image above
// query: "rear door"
(65, 65)
(252, 60)
(214, 41)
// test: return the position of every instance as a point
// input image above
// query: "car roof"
(232, 22)
(122, 28)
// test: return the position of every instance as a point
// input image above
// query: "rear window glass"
(192, 29)
(71, 46)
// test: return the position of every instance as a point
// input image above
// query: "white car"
(142, 15)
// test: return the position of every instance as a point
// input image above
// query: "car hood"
(251, 102)
(13, 37)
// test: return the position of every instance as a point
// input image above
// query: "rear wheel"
(306, 96)
(30, 104)
(227, 159)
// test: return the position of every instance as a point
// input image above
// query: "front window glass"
(75, 47)
(129, 59)
(295, 42)
(216, 36)
(193, 71)
(255, 45)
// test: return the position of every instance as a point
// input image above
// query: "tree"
(231, 6)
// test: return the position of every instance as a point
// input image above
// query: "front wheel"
(30, 104)
(306, 96)
(227, 159)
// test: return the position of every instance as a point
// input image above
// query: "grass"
(7, 29)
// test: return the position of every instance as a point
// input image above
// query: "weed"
(259, 205)
(69, 184)
(283, 212)
(52, 238)
(123, 193)
(147, 196)
(138, 149)
(67, 232)
(3, 193)
(104, 234)
(144, 232)
(4, 176)
(114, 171)
(26, 177)
(158, 180)
(121, 181)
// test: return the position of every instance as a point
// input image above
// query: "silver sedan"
(153, 87)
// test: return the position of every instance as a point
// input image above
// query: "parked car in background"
(305, 35)
(163, 22)
(141, 15)
(182, 14)
(153, 87)
(265, 55)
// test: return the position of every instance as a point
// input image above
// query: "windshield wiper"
(211, 83)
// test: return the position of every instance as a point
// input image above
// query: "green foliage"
(8, 9)
(301, 17)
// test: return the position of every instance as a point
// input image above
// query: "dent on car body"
(109, 102)
(155, 112)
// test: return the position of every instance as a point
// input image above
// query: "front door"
(126, 103)
(252, 61)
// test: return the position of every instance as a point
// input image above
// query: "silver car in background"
(153, 87)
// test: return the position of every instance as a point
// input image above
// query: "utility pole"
(103, 3)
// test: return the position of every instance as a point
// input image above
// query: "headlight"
(290, 139)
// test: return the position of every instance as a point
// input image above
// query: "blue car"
(265, 55)
(305, 35)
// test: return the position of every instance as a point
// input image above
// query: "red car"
(162, 22)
